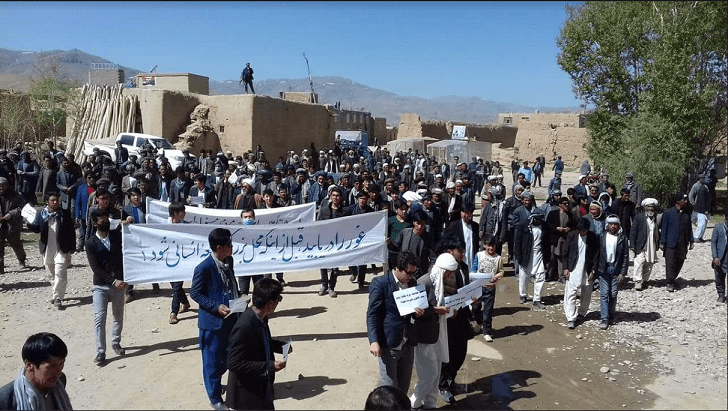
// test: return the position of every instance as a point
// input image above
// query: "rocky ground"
(667, 351)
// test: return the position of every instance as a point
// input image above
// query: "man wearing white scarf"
(40, 384)
(57, 241)
(429, 356)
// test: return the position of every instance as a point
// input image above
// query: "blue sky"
(500, 51)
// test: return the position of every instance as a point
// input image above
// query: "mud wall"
(411, 126)
(553, 135)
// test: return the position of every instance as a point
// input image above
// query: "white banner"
(158, 213)
(157, 253)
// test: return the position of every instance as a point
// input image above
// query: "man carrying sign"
(389, 335)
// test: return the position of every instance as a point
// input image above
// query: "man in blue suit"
(387, 330)
(213, 286)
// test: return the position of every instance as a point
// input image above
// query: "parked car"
(134, 142)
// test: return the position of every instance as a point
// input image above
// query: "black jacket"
(106, 264)
(66, 231)
(251, 373)
(570, 252)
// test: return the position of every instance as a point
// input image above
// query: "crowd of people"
(581, 236)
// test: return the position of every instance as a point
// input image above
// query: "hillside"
(17, 67)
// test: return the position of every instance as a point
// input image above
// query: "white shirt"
(468, 235)
(611, 243)
(104, 240)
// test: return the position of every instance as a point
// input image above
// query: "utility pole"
(310, 81)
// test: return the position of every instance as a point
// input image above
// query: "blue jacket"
(670, 229)
(384, 324)
(81, 204)
(209, 291)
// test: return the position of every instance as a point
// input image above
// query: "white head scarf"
(445, 262)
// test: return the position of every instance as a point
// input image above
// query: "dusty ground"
(535, 361)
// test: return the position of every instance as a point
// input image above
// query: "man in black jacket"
(578, 256)
(612, 268)
(11, 222)
(334, 208)
(251, 363)
(57, 241)
(104, 254)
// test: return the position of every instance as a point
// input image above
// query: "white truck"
(133, 143)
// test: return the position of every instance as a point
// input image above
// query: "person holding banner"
(105, 258)
(213, 287)
(200, 194)
(391, 337)
(177, 216)
(334, 208)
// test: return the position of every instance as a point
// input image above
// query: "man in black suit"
(466, 230)
(389, 333)
(104, 254)
(250, 362)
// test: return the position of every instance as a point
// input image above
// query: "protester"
(104, 254)
(580, 249)
(11, 223)
(213, 287)
(675, 239)
(432, 348)
(644, 241)
(177, 216)
(532, 249)
(489, 265)
(251, 363)
(40, 383)
(57, 238)
(611, 269)
(719, 253)
(391, 339)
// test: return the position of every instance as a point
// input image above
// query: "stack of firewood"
(102, 112)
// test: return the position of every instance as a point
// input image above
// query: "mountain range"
(18, 67)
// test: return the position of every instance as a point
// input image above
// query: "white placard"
(28, 212)
(197, 200)
(409, 298)
(113, 223)
(238, 305)
(286, 347)
(465, 295)
(233, 178)
(488, 277)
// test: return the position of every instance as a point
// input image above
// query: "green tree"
(655, 75)
(51, 97)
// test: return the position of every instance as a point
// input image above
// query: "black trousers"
(673, 264)
(178, 296)
(720, 275)
(360, 271)
(458, 334)
(244, 283)
(249, 83)
(12, 239)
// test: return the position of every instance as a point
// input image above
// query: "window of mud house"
(507, 120)
(222, 129)
(525, 118)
